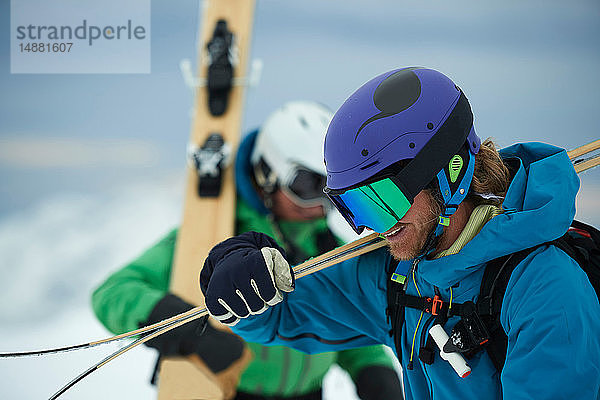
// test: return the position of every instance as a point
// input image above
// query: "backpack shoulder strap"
(489, 304)
(587, 230)
(395, 310)
(581, 243)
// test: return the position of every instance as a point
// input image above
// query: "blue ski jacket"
(550, 311)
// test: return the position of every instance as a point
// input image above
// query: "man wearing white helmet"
(280, 178)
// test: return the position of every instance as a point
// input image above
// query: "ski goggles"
(377, 206)
(305, 188)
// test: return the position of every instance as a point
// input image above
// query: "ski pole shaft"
(335, 256)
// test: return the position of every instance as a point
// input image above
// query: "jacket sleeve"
(552, 318)
(354, 360)
(337, 308)
(372, 370)
(128, 296)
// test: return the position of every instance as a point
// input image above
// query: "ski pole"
(308, 267)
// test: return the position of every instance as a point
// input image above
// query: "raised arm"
(337, 308)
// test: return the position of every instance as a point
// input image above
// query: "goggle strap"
(265, 177)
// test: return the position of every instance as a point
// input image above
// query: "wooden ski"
(209, 208)
(586, 156)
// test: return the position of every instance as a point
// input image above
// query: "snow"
(51, 258)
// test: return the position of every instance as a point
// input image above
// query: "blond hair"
(491, 177)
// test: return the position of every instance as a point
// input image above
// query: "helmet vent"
(456, 165)
(369, 165)
(303, 122)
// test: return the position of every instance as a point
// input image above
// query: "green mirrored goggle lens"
(377, 206)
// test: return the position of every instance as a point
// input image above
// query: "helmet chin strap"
(451, 200)
(431, 243)
(266, 179)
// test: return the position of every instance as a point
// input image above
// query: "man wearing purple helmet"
(403, 160)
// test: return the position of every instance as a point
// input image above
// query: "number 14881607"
(45, 47)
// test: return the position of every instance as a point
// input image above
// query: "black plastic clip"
(210, 161)
(220, 69)
(469, 334)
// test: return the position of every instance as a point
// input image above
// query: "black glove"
(243, 275)
(378, 383)
(218, 349)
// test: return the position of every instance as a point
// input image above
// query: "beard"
(411, 242)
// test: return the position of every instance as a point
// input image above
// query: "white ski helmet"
(289, 147)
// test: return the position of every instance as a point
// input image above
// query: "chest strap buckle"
(436, 305)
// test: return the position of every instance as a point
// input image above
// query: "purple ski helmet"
(415, 114)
